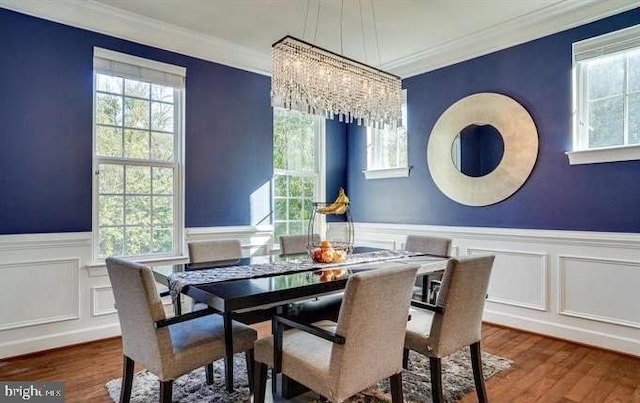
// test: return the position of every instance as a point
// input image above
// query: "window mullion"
(625, 103)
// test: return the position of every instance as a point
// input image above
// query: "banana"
(339, 206)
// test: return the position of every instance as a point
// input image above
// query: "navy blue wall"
(45, 130)
(597, 197)
(336, 161)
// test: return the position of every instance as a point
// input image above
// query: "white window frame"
(321, 176)
(589, 49)
(374, 172)
(138, 68)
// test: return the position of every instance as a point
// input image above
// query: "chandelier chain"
(306, 17)
(364, 46)
(341, 24)
(315, 35)
(375, 30)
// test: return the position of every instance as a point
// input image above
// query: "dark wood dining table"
(275, 291)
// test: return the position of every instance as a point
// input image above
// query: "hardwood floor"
(544, 369)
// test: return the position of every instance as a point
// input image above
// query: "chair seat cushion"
(201, 340)
(305, 357)
(418, 328)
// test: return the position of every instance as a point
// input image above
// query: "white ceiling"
(413, 35)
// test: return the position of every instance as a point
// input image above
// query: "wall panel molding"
(41, 292)
(102, 302)
(538, 270)
(608, 281)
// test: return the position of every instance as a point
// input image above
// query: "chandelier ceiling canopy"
(317, 81)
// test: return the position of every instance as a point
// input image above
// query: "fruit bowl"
(327, 252)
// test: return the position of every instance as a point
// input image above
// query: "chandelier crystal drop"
(317, 81)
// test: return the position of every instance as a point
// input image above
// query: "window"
(298, 174)
(387, 149)
(137, 125)
(607, 98)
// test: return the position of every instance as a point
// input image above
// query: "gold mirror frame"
(520, 138)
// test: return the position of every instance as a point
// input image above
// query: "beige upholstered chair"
(223, 250)
(169, 347)
(214, 251)
(428, 285)
(428, 244)
(293, 244)
(338, 360)
(454, 322)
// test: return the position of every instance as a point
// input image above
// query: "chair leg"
(395, 382)
(425, 288)
(435, 367)
(248, 355)
(260, 381)
(127, 379)
(208, 369)
(166, 391)
(478, 377)
(405, 358)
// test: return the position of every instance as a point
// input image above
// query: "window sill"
(605, 154)
(387, 173)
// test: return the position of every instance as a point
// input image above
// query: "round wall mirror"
(503, 148)
(477, 150)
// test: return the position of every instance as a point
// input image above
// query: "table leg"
(228, 345)
(177, 306)
(274, 382)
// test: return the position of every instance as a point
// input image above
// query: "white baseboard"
(49, 341)
(579, 335)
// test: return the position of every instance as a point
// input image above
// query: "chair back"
(293, 244)
(139, 306)
(462, 294)
(373, 319)
(216, 250)
(428, 244)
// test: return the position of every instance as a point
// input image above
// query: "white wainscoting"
(47, 293)
(518, 278)
(54, 295)
(56, 281)
(102, 301)
(579, 286)
(581, 280)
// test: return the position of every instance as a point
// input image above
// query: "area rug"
(457, 380)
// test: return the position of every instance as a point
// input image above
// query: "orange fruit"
(325, 244)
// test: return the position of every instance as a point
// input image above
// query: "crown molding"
(104, 19)
(543, 22)
(98, 17)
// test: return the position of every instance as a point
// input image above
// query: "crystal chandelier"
(317, 81)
